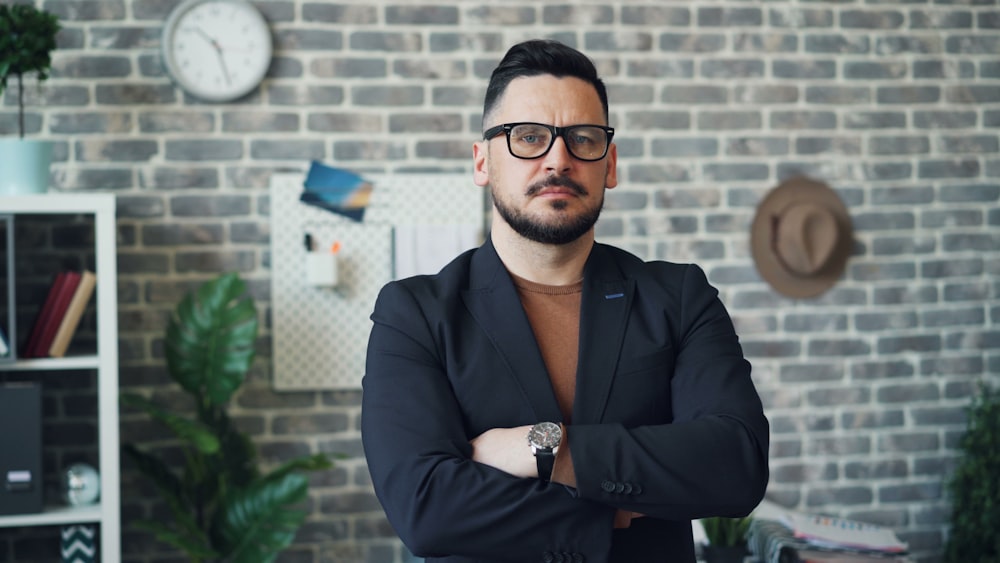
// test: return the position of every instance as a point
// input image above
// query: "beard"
(564, 229)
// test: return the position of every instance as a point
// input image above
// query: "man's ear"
(480, 163)
(611, 178)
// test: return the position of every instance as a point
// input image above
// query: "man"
(545, 397)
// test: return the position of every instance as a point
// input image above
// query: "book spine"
(63, 297)
(67, 328)
(43, 314)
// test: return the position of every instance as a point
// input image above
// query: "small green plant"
(223, 507)
(726, 532)
(27, 39)
(975, 485)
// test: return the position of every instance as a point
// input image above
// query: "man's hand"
(506, 449)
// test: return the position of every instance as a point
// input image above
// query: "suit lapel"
(605, 304)
(493, 301)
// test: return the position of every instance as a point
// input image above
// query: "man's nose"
(558, 159)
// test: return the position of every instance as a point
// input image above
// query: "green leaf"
(257, 523)
(191, 431)
(210, 339)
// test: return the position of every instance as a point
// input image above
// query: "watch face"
(545, 435)
(217, 50)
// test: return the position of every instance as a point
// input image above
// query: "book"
(841, 532)
(43, 313)
(77, 305)
(50, 323)
(771, 541)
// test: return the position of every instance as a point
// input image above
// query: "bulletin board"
(320, 334)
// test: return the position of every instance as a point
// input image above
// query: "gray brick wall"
(895, 104)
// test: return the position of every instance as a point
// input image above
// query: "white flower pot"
(24, 166)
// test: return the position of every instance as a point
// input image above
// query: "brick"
(972, 291)
(729, 120)
(874, 120)
(943, 69)
(87, 11)
(940, 19)
(875, 70)
(455, 150)
(805, 472)
(370, 150)
(659, 173)
(209, 206)
(971, 242)
(934, 119)
(972, 94)
(915, 195)
(785, 448)
(888, 171)
(425, 123)
(911, 492)
(804, 69)
(399, 96)
(888, 220)
(634, 94)
(969, 144)
(901, 246)
(110, 150)
(891, 145)
(909, 343)
(685, 146)
(765, 94)
(421, 15)
(105, 178)
(939, 416)
(286, 40)
(429, 69)
(802, 373)
(444, 42)
(135, 94)
(765, 43)
(660, 69)
(757, 146)
(678, 198)
(827, 43)
(736, 171)
(91, 67)
(815, 322)
(692, 43)
(694, 94)
(657, 120)
(883, 469)
(908, 393)
(956, 168)
(882, 418)
(870, 19)
(955, 365)
(824, 347)
(908, 94)
(732, 68)
(107, 123)
(973, 44)
(839, 445)
(349, 67)
(656, 16)
(176, 121)
(339, 13)
(896, 45)
(828, 145)
(838, 95)
(803, 120)
(182, 234)
(203, 149)
(259, 121)
(771, 349)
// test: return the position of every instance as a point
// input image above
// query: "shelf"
(54, 516)
(51, 364)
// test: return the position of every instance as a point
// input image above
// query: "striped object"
(77, 545)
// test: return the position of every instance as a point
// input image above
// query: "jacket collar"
(607, 296)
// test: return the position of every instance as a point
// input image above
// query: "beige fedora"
(801, 237)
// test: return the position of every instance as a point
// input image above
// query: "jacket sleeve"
(437, 499)
(711, 457)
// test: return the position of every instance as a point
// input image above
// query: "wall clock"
(216, 50)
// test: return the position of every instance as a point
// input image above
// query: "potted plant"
(223, 507)
(27, 39)
(975, 494)
(727, 539)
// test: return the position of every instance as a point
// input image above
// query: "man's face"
(556, 198)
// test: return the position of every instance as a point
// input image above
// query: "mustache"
(556, 182)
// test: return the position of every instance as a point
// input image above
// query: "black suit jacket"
(666, 420)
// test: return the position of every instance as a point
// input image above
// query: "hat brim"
(770, 266)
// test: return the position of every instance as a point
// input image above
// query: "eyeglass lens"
(531, 140)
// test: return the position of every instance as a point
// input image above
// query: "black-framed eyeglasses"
(533, 140)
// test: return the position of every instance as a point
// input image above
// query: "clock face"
(217, 50)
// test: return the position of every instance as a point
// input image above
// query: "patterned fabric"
(77, 545)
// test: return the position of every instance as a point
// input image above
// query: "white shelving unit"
(107, 512)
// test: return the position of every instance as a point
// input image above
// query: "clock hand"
(218, 53)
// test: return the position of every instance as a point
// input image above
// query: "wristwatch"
(544, 439)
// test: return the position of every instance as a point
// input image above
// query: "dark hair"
(542, 56)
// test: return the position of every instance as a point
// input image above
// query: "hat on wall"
(801, 237)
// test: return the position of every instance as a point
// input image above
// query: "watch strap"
(545, 460)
